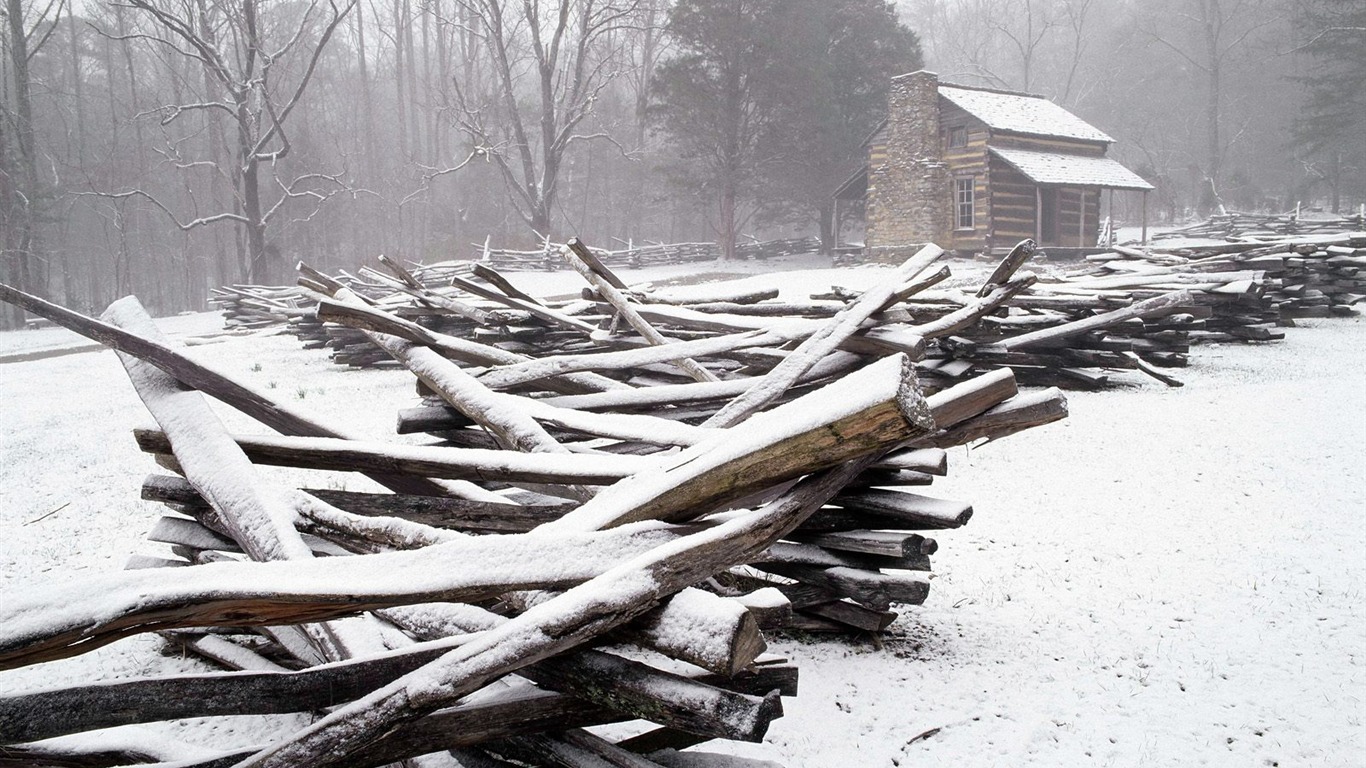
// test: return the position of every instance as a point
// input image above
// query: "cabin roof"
(1050, 168)
(1021, 113)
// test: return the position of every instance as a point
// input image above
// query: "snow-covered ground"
(1168, 577)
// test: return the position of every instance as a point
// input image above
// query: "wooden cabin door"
(1048, 215)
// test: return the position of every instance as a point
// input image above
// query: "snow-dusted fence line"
(1252, 225)
(592, 542)
(1252, 285)
(1233, 292)
(738, 328)
(653, 254)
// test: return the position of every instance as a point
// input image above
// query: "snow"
(694, 624)
(1168, 577)
(1074, 170)
(650, 487)
(1021, 113)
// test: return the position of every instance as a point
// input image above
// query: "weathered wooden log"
(959, 319)
(794, 553)
(86, 613)
(1019, 413)
(500, 415)
(455, 463)
(557, 624)
(1021, 253)
(714, 633)
(869, 588)
(923, 511)
(821, 343)
(438, 512)
(567, 749)
(259, 522)
(731, 640)
(583, 261)
(256, 515)
(535, 308)
(629, 688)
(255, 404)
(493, 276)
(410, 286)
(852, 615)
(512, 375)
(456, 348)
(875, 408)
(1149, 308)
(962, 401)
(56, 712)
(686, 394)
(896, 544)
(632, 688)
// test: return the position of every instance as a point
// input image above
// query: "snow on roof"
(1021, 113)
(1072, 170)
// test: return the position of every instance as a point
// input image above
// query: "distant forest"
(162, 147)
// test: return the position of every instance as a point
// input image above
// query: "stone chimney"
(909, 197)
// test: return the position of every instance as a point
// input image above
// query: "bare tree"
(549, 62)
(258, 59)
(1208, 35)
(27, 30)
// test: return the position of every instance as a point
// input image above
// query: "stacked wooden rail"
(952, 332)
(1133, 310)
(1226, 225)
(259, 306)
(1281, 277)
(652, 254)
(492, 600)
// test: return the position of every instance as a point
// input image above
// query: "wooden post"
(835, 226)
(1038, 214)
(1081, 217)
(1110, 214)
(1145, 217)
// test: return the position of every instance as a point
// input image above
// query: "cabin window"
(958, 137)
(964, 201)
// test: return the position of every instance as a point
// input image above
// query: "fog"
(163, 147)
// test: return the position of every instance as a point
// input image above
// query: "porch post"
(1145, 217)
(1081, 218)
(1038, 214)
(835, 226)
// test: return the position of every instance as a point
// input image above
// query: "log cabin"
(976, 170)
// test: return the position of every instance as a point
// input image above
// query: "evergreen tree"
(767, 101)
(713, 102)
(1331, 129)
(830, 94)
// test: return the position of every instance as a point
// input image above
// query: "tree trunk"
(259, 264)
(10, 316)
(223, 272)
(1213, 146)
(399, 107)
(728, 227)
(23, 194)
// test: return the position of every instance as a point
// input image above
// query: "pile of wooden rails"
(1132, 310)
(649, 255)
(551, 564)
(1238, 225)
(259, 306)
(1280, 277)
(952, 333)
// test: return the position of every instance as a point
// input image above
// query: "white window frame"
(965, 202)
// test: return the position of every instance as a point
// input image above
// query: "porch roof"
(1055, 169)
